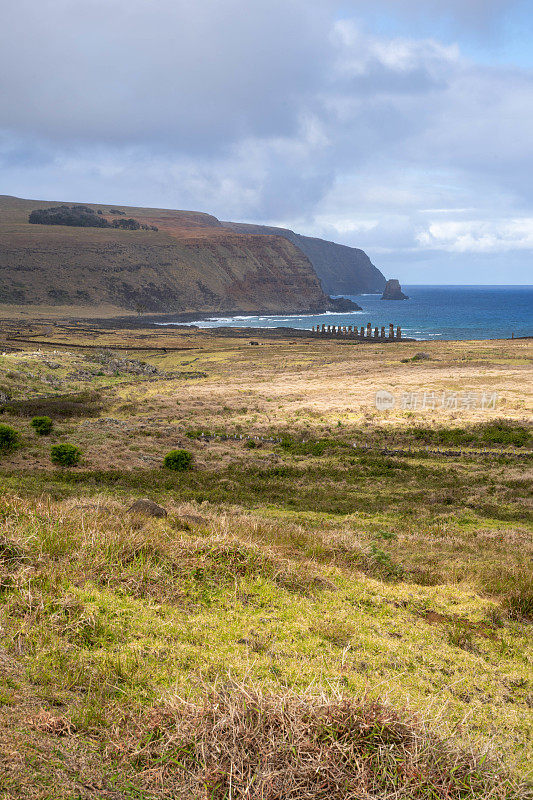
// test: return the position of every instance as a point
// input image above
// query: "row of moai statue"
(354, 332)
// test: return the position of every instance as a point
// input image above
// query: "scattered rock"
(417, 357)
(342, 304)
(148, 507)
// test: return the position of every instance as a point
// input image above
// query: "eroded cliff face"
(191, 263)
(341, 269)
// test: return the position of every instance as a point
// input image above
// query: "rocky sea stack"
(393, 291)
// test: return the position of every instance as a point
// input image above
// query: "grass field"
(338, 603)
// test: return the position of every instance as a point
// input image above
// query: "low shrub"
(9, 438)
(312, 447)
(452, 436)
(43, 426)
(496, 432)
(79, 404)
(65, 455)
(504, 432)
(178, 460)
(383, 563)
(377, 465)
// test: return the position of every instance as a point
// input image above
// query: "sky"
(398, 126)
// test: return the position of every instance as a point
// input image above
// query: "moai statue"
(350, 329)
(383, 331)
(369, 330)
(362, 332)
(398, 332)
(391, 330)
(323, 328)
(329, 328)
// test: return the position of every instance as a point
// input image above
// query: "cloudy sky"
(399, 126)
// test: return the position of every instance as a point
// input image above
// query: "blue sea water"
(432, 312)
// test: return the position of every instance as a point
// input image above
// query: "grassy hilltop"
(337, 604)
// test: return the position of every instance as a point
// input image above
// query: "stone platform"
(353, 332)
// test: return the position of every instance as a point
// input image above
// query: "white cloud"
(359, 51)
(478, 236)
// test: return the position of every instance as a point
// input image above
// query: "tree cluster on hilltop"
(79, 216)
(82, 217)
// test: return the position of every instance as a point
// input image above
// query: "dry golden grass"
(30, 313)
(242, 744)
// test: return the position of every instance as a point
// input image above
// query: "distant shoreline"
(433, 313)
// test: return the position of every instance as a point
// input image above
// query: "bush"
(42, 426)
(443, 436)
(497, 432)
(65, 455)
(504, 432)
(126, 224)
(9, 438)
(79, 404)
(179, 460)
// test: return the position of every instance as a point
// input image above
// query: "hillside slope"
(311, 620)
(341, 269)
(191, 263)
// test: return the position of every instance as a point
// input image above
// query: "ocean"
(432, 312)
